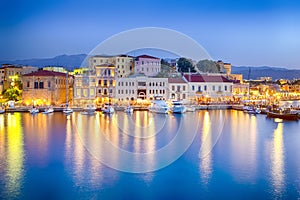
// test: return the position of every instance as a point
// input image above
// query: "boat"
(252, 110)
(34, 110)
(48, 110)
(282, 113)
(128, 110)
(108, 109)
(89, 110)
(159, 106)
(2, 111)
(178, 107)
(190, 109)
(67, 110)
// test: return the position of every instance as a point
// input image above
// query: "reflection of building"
(46, 87)
(148, 65)
(215, 87)
(123, 63)
(178, 89)
(141, 87)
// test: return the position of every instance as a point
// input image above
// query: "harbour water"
(215, 154)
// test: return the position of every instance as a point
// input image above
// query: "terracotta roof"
(206, 78)
(146, 56)
(176, 80)
(46, 73)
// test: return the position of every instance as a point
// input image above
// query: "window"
(219, 88)
(213, 88)
(28, 84)
(105, 82)
(193, 87)
(178, 88)
(99, 82)
(141, 83)
(49, 84)
(36, 85)
(99, 91)
(225, 87)
(110, 82)
(183, 96)
(183, 88)
(110, 91)
(173, 87)
(205, 87)
(105, 91)
(199, 88)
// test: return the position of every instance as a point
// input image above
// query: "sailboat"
(67, 110)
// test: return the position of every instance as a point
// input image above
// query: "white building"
(214, 87)
(178, 89)
(147, 65)
(124, 64)
(141, 87)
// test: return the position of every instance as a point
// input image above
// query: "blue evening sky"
(244, 32)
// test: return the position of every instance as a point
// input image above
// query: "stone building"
(147, 65)
(47, 88)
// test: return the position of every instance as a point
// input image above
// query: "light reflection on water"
(254, 156)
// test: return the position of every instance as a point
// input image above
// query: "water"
(229, 155)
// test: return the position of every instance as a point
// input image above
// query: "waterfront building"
(55, 69)
(47, 88)
(9, 74)
(98, 86)
(178, 89)
(124, 64)
(141, 88)
(80, 71)
(208, 88)
(147, 65)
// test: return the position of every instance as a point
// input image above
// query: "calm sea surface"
(202, 155)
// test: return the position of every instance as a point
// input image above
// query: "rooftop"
(46, 73)
(146, 56)
(176, 80)
(206, 78)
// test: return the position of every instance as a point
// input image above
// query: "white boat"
(48, 110)
(252, 110)
(159, 106)
(108, 109)
(190, 109)
(34, 111)
(2, 111)
(128, 110)
(178, 107)
(67, 110)
(89, 110)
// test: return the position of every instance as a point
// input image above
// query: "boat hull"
(282, 116)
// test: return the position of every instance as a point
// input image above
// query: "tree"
(12, 93)
(208, 66)
(185, 65)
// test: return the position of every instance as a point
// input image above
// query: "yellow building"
(47, 88)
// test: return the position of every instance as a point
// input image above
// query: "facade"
(124, 64)
(141, 88)
(98, 87)
(178, 89)
(208, 87)
(47, 88)
(147, 65)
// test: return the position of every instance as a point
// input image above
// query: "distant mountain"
(274, 72)
(68, 61)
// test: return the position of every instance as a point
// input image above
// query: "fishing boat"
(178, 107)
(48, 110)
(282, 113)
(108, 109)
(159, 106)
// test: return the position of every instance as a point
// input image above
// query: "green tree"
(208, 66)
(185, 65)
(12, 93)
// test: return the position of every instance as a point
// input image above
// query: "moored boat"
(48, 110)
(67, 110)
(34, 110)
(178, 107)
(159, 106)
(108, 109)
(128, 110)
(282, 114)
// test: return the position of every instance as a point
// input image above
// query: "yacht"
(34, 110)
(48, 110)
(159, 106)
(108, 109)
(178, 107)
